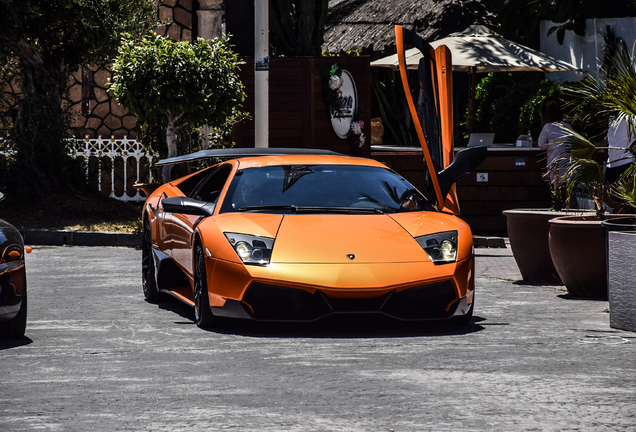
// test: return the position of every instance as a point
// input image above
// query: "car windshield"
(322, 189)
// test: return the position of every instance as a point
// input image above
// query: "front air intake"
(423, 302)
(276, 303)
(270, 302)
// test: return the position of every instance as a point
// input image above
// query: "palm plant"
(625, 187)
(607, 100)
(583, 174)
(611, 96)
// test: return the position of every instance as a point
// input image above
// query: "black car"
(13, 288)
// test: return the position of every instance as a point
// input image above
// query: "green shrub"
(508, 104)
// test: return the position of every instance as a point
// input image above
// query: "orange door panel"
(441, 76)
(181, 226)
(444, 75)
(168, 223)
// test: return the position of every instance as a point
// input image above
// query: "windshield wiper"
(311, 209)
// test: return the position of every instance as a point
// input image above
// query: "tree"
(174, 84)
(509, 103)
(43, 42)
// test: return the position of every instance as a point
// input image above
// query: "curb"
(489, 242)
(43, 237)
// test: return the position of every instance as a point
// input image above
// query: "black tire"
(149, 283)
(202, 312)
(15, 327)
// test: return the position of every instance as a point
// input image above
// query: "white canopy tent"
(480, 50)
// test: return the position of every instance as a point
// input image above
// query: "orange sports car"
(299, 234)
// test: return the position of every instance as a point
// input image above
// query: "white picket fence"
(113, 148)
(109, 148)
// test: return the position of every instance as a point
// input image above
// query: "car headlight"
(252, 249)
(440, 247)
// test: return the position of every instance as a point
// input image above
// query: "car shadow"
(346, 327)
(171, 304)
(538, 284)
(15, 343)
(336, 326)
(573, 297)
(557, 285)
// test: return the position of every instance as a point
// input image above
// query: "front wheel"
(202, 312)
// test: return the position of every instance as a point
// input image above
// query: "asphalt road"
(99, 358)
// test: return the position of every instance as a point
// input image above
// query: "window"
(210, 188)
(323, 188)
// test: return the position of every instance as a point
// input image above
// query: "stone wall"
(96, 112)
(182, 19)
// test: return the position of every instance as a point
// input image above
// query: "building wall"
(298, 112)
(584, 51)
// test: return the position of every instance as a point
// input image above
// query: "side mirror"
(2, 195)
(465, 161)
(187, 206)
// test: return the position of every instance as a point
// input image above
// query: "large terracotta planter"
(528, 231)
(577, 247)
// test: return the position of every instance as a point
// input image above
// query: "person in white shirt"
(552, 139)
(620, 139)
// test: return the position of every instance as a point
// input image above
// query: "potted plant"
(528, 228)
(578, 243)
(528, 231)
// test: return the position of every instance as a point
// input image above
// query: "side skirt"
(170, 279)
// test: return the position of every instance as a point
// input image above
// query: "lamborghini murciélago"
(300, 234)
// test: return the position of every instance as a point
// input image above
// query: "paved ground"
(99, 358)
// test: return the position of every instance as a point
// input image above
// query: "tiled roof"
(368, 24)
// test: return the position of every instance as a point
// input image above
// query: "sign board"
(482, 177)
(348, 104)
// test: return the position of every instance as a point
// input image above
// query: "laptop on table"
(481, 139)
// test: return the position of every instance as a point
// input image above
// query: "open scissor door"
(432, 113)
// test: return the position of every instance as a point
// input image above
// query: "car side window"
(211, 187)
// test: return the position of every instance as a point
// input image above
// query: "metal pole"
(261, 73)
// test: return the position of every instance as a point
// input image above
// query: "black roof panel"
(235, 153)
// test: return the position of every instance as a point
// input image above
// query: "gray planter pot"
(622, 279)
